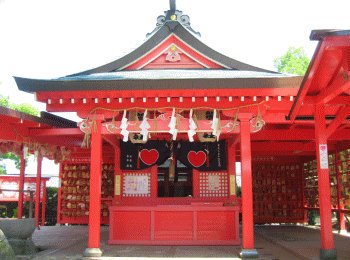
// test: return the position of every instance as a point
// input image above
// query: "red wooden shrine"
(16, 137)
(153, 123)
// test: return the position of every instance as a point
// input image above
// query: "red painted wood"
(216, 226)
(153, 57)
(341, 116)
(247, 196)
(307, 82)
(186, 62)
(162, 94)
(37, 190)
(338, 86)
(59, 195)
(174, 225)
(43, 205)
(95, 187)
(326, 78)
(135, 225)
(327, 242)
(21, 186)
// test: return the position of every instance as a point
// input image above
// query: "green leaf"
(294, 61)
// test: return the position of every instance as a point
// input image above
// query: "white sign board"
(323, 156)
(136, 184)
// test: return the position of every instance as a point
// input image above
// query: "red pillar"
(43, 205)
(21, 186)
(37, 190)
(93, 249)
(59, 195)
(248, 250)
(327, 243)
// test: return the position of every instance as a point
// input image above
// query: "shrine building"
(163, 127)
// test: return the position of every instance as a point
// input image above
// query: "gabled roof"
(173, 31)
(175, 28)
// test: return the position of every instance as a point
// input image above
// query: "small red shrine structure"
(16, 137)
(164, 126)
(10, 184)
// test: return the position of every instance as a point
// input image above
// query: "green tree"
(294, 61)
(4, 101)
(24, 107)
(12, 157)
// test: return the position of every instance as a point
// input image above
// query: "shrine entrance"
(174, 180)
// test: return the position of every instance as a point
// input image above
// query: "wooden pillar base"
(328, 254)
(92, 252)
(249, 253)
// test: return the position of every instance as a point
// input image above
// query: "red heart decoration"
(149, 157)
(197, 159)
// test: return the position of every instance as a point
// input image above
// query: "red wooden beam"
(11, 133)
(341, 116)
(111, 139)
(66, 96)
(338, 100)
(296, 147)
(297, 134)
(55, 132)
(305, 85)
(340, 84)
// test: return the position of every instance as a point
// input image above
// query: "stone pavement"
(304, 242)
(272, 243)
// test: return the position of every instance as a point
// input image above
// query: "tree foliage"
(294, 61)
(12, 157)
(24, 107)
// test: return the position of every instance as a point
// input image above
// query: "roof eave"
(34, 85)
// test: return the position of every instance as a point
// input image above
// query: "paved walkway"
(304, 242)
(272, 243)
